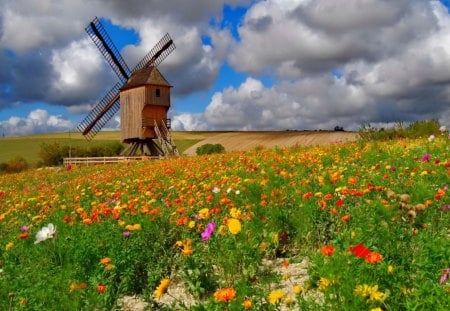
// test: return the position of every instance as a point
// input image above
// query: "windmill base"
(143, 147)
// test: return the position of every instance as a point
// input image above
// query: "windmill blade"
(104, 43)
(101, 114)
(160, 51)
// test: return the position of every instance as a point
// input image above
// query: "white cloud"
(37, 121)
(188, 122)
(392, 59)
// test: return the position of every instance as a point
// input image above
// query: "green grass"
(28, 147)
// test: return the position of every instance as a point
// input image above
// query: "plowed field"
(241, 141)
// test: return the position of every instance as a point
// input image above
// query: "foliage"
(52, 154)
(15, 165)
(362, 225)
(210, 149)
(414, 130)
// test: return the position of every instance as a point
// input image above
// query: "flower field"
(368, 221)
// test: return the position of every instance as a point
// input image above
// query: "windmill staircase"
(165, 139)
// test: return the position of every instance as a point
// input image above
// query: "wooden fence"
(105, 160)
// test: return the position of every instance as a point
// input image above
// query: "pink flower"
(445, 275)
(426, 157)
(206, 235)
(126, 234)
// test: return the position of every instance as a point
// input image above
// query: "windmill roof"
(150, 75)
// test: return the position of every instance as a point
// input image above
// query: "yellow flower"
(275, 296)
(362, 290)
(376, 309)
(9, 246)
(371, 292)
(324, 283)
(298, 289)
(203, 213)
(162, 288)
(390, 269)
(222, 230)
(191, 224)
(235, 213)
(137, 227)
(234, 225)
(376, 295)
(247, 304)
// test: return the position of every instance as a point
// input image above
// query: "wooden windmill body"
(142, 95)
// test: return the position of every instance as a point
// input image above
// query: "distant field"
(242, 141)
(28, 147)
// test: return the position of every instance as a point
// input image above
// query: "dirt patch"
(243, 141)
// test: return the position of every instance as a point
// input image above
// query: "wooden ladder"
(165, 140)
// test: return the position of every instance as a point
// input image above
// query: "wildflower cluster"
(359, 224)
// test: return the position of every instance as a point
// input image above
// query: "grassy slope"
(28, 147)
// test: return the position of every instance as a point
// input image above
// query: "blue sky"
(238, 65)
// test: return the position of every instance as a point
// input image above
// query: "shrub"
(52, 154)
(414, 130)
(210, 149)
(15, 165)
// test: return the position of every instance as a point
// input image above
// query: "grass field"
(28, 147)
(362, 225)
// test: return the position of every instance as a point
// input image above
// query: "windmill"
(142, 95)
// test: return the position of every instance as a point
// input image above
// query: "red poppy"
(24, 235)
(345, 218)
(359, 250)
(327, 250)
(374, 258)
(101, 288)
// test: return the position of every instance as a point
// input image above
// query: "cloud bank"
(309, 64)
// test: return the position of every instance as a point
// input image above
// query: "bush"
(53, 154)
(414, 130)
(210, 149)
(16, 165)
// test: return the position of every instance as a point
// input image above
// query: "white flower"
(216, 190)
(229, 190)
(238, 192)
(431, 138)
(442, 129)
(45, 233)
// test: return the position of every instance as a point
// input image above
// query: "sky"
(238, 64)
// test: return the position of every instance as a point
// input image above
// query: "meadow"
(361, 225)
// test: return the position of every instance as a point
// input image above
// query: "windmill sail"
(110, 104)
(104, 43)
(160, 51)
(101, 114)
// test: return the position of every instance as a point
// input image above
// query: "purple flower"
(426, 157)
(445, 208)
(206, 235)
(24, 228)
(126, 234)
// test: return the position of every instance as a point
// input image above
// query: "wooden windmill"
(142, 95)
